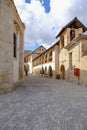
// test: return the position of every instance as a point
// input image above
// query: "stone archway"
(45, 70)
(50, 72)
(42, 71)
(62, 72)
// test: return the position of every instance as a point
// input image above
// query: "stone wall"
(32, 56)
(38, 63)
(9, 66)
(78, 61)
(6, 47)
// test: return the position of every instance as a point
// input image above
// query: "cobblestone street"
(44, 104)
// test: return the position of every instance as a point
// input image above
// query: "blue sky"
(45, 18)
(45, 4)
(28, 1)
(31, 47)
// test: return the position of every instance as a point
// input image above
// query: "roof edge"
(66, 26)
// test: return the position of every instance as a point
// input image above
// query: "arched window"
(45, 58)
(50, 53)
(42, 60)
(72, 35)
(50, 56)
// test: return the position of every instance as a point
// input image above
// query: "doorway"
(62, 72)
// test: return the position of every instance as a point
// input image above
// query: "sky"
(45, 18)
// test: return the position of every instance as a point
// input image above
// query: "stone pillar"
(56, 61)
(21, 57)
(6, 48)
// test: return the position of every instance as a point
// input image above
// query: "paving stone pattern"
(44, 104)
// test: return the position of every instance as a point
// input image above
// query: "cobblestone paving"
(44, 104)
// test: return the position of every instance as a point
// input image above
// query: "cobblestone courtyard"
(44, 104)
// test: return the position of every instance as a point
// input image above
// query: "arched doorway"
(50, 73)
(42, 71)
(45, 70)
(62, 72)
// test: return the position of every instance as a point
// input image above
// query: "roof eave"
(67, 25)
(57, 43)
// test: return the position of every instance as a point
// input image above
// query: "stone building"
(11, 47)
(46, 63)
(28, 59)
(67, 58)
(73, 52)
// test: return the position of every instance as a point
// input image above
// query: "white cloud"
(42, 27)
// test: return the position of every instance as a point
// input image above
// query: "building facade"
(28, 59)
(46, 63)
(66, 59)
(73, 52)
(11, 47)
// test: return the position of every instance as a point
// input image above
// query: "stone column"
(56, 60)
(21, 57)
(6, 48)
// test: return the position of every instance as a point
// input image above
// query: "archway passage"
(45, 71)
(42, 71)
(62, 72)
(50, 73)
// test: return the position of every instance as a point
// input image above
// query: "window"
(50, 56)
(42, 60)
(70, 61)
(14, 45)
(45, 58)
(72, 35)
